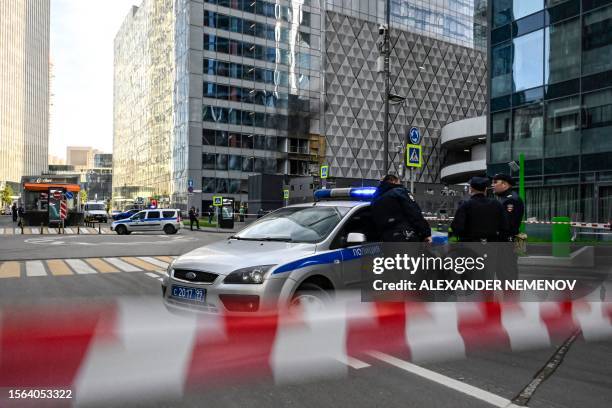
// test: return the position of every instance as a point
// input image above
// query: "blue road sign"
(414, 135)
(69, 195)
(414, 158)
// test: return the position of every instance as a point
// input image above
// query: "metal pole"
(522, 185)
(411, 181)
(386, 95)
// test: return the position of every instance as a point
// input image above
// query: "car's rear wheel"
(121, 230)
(310, 296)
(169, 229)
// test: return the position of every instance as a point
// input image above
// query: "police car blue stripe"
(346, 254)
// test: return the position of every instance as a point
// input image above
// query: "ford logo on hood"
(190, 275)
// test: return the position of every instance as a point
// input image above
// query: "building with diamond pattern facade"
(438, 62)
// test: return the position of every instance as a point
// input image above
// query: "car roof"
(333, 203)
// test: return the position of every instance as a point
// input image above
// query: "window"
(527, 131)
(361, 222)
(522, 8)
(597, 122)
(208, 161)
(235, 162)
(139, 216)
(528, 64)
(223, 22)
(222, 68)
(258, 165)
(260, 142)
(562, 127)
(221, 162)
(208, 137)
(233, 186)
(153, 214)
(234, 140)
(210, 67)
(210, 90)
(597, 41)
(221, 185)
(561, 60)
(501, 70)
(247, 141)
(169, 214)
(247, 164)
(209, 185)
(221, 138)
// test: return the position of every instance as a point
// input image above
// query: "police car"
(294, 255)
(160, 219)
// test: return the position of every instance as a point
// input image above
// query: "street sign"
(217, 201)
(414, 135)
(414, 157)
(57, 194)
(190, 183)
(286, 194)
(69, 195)
(324, 172)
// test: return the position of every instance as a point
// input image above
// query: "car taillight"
(179, 219)
(240, 303)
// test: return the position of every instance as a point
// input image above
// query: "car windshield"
(94, 207)
(295, 224)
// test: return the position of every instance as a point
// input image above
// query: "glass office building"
(551, 100)
(240, 95)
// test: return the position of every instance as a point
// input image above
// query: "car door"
(137, 221)
(356, 257)
(153, 221)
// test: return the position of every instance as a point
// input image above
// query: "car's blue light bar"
(353, 193)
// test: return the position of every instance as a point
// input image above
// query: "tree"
(83, 196)
(6, 194)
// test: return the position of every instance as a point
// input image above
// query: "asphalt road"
(583, 379)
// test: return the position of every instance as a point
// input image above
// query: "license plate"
(193, 294)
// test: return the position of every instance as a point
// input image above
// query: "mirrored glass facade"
(551, 100)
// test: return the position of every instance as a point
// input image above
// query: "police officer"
(479, 218)
(514, 207)
(396, 215)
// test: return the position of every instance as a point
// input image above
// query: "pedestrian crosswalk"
(55, 231)
(153, 266)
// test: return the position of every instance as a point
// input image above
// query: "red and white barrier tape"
(130, 348)
(594, 225)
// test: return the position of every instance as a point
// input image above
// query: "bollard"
(78, 229)
(99, 228)
(561, 237)
(42, 227)
(22, 228)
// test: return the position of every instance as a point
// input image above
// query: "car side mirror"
(355, 238)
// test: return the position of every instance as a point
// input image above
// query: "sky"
(82, 34)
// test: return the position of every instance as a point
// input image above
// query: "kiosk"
(226, 215)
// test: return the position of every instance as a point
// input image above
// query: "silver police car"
(293, 256)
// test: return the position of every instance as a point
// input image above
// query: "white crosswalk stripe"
(80, 267)
(52, 231)
(1, 231)
(124, 266)
(153, 275)
(154, 261)
(84, 230)
(35, 268)
(68, 231)
(34, 231)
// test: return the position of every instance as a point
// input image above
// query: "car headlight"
(169, 269)
(251, 275)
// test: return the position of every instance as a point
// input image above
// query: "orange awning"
(75, 188)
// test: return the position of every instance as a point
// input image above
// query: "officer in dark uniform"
(514, 208)
(479, 218)
(396, 215)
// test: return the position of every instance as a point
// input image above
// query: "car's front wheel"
(121, 230)
(310, 296)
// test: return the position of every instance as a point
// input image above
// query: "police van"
(159, 219)
(294, 255)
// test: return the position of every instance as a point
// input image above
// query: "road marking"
(58, 267)
(9, 231)
(165, 258)
(456, 385)
(139, 263)
(34, 231)
(154, 261)
(10, 270)
(353, 362)
(1, 231)
(101, 266)
(35, 268)
(106, 231)
(124, 266)
(80, 267)
(154, 276)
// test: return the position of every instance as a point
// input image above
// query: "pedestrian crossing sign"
(414, 158)
(286, 194)
(217, 201)
(324, 172)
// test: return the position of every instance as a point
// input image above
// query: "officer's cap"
(479, 183)
(504, 177)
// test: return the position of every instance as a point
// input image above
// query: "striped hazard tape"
(593, 225)
(129, 348)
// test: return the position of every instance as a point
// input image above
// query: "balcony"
(465, 144)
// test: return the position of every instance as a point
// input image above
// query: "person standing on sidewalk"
(14, 212)
(193, 218)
